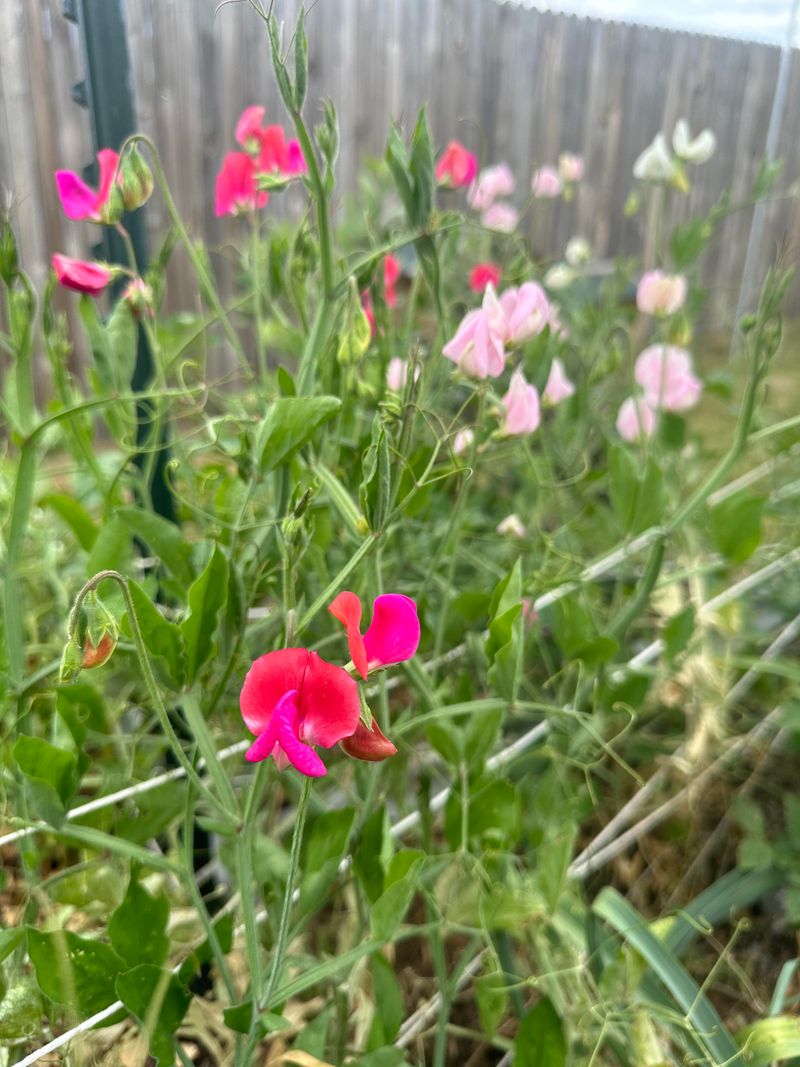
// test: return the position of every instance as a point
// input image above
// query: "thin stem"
(255, 267)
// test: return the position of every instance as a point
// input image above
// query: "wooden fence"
(512, 83)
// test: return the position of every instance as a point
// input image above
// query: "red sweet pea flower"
(391, 275)
(482, 274)
(236, 188)
(91, 278)
(78, 199)
(457, 166)
(293, 699)
(393, 634)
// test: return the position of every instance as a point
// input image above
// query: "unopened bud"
(71, 661)
(8, 252)
(139, 297)
(136, 180)
(98, 632)
(111, 211)
(369, 743)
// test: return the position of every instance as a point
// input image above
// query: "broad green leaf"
(163, 539)
(389, 1056)
(735, 526)
(323, 851)
(491, 997)
(159, 1001)
(770, 1040)
(164, 639)
(376, 486)
(137, 928)
(480, 733)
(389, 1004)
(541, 1041)
(207, 597)
(368, 858)
(240, 1017)
(51, 776)
(291, 423)
(398, 163)
(389, 909)
(493, 816)
(688, 241)
(78, 972)
(75, 516)
(20, 1010)
(10, 940)
(678, 631)
(636, 489)
(421, 170)
(112, 549)
(552, 860)
(204, 953)
(575, 632)
(504, 644)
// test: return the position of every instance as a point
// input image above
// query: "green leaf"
(493, 817)
(20, 1010)
(491, 997)
(391, 906)
(368, 858)
(51, 776)
(735, 526)
(206, 598)
(552, 860)
(323, 850)
(75, 516)
(636, 489)
(678, 631)
(398, 163)
(137, 929)
(541, 1041)
(389, 1056)
(480, 733)
(10, 940)
(389, 1004)
(771, 1040)
(355, 333)
(421, 170)
(164, 639)
(376, 486)
(163, 539)
(300, 60)
(204, 953)
(282, 78)
(78, 972)
(112, 549)
(291, 423)
(159, 1001)
(754, 852)
(688, 240)
(504, 644)
(240, 1017)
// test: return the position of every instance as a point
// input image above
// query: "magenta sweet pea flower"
(558, 386)
(456, 167)
(483, 274)
(659, 293)
(268, 144)
(79, 200)
(636, 419)
(236, 188)
(522, 406)
(83, 277)
(526, 312)
(392, 636)
(391, 276)
(546, 183)
(667, 378)
(248, 128)
(491, 184)
(293, 699)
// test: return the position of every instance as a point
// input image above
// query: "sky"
(754, 20)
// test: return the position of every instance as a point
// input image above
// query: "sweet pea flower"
(636, 419)
(656, 164)
(525, 312)
(397, 374)
(248, 128)
(570, 167)
(293, 699)
(578, 251)
(491, 184)
(558, 387)
(236, 189)
(483, 274)
(695, 151)
(83, 277)
(477, 348)
(511, 526)
(391, 275)
(456, 167)
(546, 183)
(462, 441)
(557, 327)
(560, 276)
(500, 217)
(275, 155)
(78, 200)
(392, 636)
(522, 406)
(667, 378)
(659, 293)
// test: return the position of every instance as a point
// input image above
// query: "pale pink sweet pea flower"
(511, 526)
(83, 277)
(236, 189)
(78, 200)
(557, 327)
(659, 293)
(570, 167)
(636, 419)
(522, 406)
(558, 387)
(491, 184)
(462, 441)
(667, 378)
(397, 374)
(500, 217)
(477, 348)
(525, 312)
(546, 183)
(456, 167)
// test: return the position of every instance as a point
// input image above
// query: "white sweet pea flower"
(559, 276)
(511, 526)
(656, 163)
(578, 251)
(698, 150)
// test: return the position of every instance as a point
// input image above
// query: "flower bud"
(140, 298)
(71, 661)
(98, 632)
(136, 180)
(369, 743)
(111, 211)
(8, 252)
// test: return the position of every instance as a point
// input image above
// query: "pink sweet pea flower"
(526, 312)
(462, 441)
(248, 128)
(558, 387)
(369, 310)
(456, 167)
(570, 167)
(491, 184)
(659, 293)
(277, 156)
(557, 327)
(83, 277)
(483, 274)
(293, 699)
(522, 406)
(546, 183)
(236, 188)
(78, 200)
(392, 636)
(391, 275)
(477, 348)
(500, 217)
(397, 374)
(667, 378)
(636, 419)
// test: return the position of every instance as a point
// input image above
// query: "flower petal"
(288, 718)
(346, 607)
(393, 634)
(329, 704)
(262, 747)
(269, 678)
(369, 744)
(107, 160)
(77, 199)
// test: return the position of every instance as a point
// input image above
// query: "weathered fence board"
(514, 84)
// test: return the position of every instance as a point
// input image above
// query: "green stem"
(12, 602)
(255, 267)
